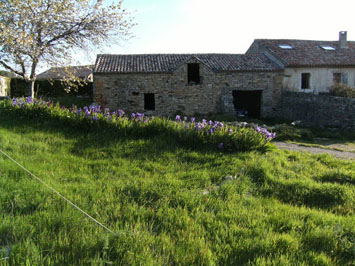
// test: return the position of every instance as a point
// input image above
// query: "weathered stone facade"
(318, 110)
(173, 93)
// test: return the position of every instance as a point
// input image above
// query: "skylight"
(285, 46)
(327, 47)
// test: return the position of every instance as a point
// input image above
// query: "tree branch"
(11, 69)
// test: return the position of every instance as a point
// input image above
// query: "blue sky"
(227, 26)
(230, 26)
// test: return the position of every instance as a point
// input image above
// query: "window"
(340, 78)
(149, 101)
(344, 78)
(285, 46)
(305, 81)
(193, 73)
(336, 77)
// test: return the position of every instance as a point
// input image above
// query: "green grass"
(297, 133)
(68, 101)
(283, 208)
(336, 146)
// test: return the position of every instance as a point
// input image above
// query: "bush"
(48, 88)
(342, 90)
(187, 132)
(290, 132)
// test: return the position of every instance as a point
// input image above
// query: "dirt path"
(297, 147)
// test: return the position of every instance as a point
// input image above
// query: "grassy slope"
(284, 208)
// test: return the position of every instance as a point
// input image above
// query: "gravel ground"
(296, 147)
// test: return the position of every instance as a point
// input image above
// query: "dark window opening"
(135, 93)
(149, 101)
(336, 77)
(193, 73)
(305, 81)
(247, 103)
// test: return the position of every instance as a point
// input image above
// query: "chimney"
(342, 39)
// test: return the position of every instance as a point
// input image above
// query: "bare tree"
(37, 31)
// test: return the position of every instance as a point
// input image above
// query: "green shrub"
(47, 88)
(342, 90)
(290, 132)
(190, 133)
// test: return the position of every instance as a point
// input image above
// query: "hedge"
(48, 88)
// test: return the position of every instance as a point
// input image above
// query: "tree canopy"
(36, 31)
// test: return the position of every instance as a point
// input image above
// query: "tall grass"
(169, 204)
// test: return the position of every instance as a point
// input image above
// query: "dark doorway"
(149, 101)
(247, 103)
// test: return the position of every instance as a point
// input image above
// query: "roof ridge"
(186, 54)
(302, 40)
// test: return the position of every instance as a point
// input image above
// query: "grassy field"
(168, 204)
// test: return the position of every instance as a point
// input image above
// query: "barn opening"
(193, 73)
(247, 103)
(149, 101)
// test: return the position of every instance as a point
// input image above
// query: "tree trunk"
(31, 88)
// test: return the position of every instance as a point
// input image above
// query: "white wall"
(2, 87)
(320, 81)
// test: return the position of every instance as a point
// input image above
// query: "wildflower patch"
(187, 131)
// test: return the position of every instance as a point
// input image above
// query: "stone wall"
(173, 94)
(318, 110)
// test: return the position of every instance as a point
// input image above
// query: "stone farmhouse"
(4, 86)
(310, 66)
(60, 73)
(166, 84)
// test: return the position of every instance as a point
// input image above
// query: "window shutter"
(344, 78)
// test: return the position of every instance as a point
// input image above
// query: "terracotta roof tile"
(310, 53)
(157, 63)
(62, 72)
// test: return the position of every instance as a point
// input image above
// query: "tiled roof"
(62, 72)
(158, 63)
(310, 53)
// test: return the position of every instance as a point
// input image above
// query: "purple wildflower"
(268, 135)
(192, 119)
(220, 146)
(120, 112)
(177, 118)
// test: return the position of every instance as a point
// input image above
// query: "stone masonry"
(173, 94)
(318, 110)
